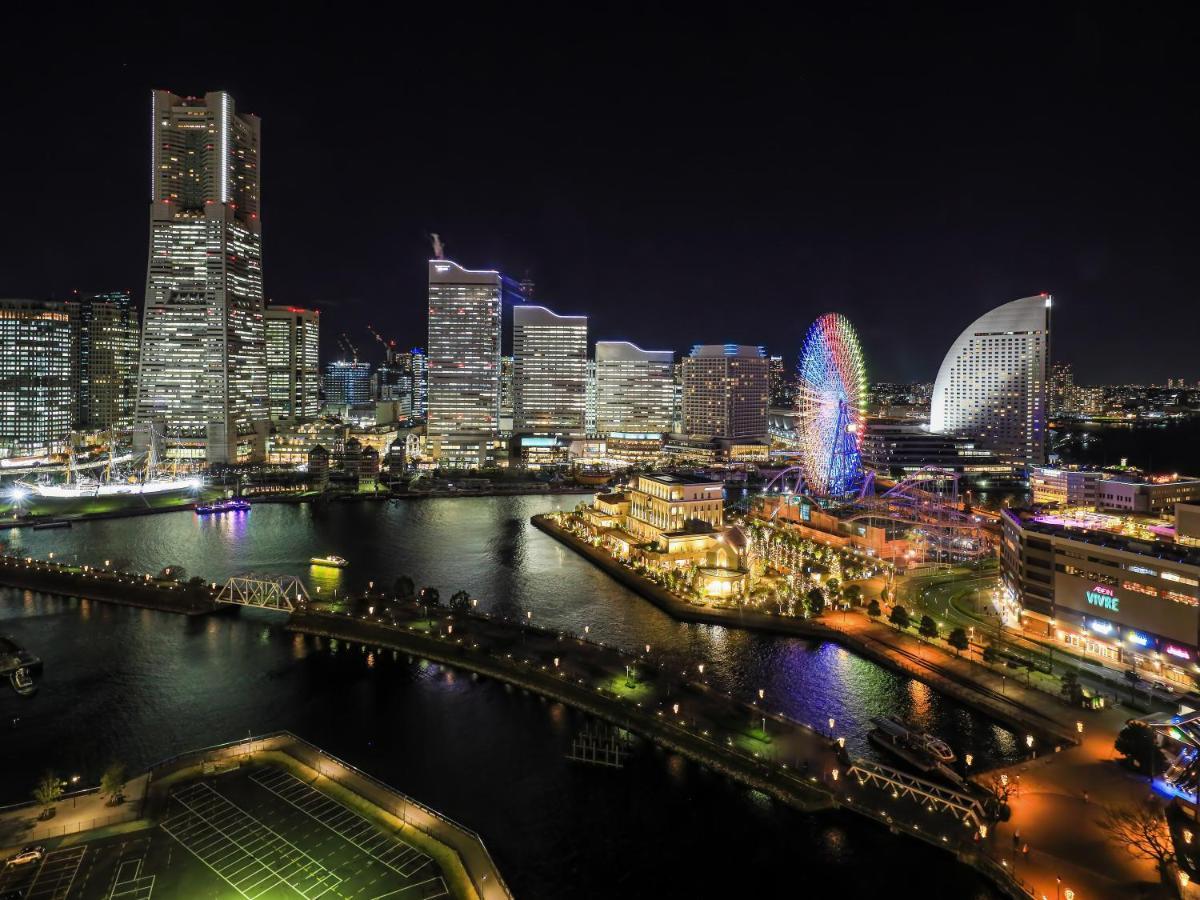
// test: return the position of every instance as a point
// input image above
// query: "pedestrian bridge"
(935, 797)
(285, 592)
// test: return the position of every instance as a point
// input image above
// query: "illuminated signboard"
(1104, 598)
(1101, 627)
(1177, 651)
(806, 512)
(1139, 639)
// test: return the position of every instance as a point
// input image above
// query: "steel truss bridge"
(285, 592)
(934, 797)
(926, 501)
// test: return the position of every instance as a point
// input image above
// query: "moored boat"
(222, 506)
(919, 749)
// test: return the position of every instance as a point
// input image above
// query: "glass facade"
(463, 363)
(992, 384)
(203, 366)
(36, 394)
(293, 364)
(105, 342)
(549, 372)
(635, 388)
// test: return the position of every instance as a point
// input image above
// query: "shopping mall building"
(1118, 590)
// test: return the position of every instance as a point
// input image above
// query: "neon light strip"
(224, 147)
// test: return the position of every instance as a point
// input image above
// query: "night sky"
(677, 179)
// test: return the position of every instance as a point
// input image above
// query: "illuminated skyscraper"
(782, 388)
(549, 372)
(105, 341)
(635, 388)
(293, 363)
(463, 363)
(36, 399)
(992, 384)
(725, 392)
(347, 383)
(203, 364)
(1062, 389)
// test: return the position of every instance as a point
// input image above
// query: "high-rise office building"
(589, 416)
(402, 378)
(293, 363)
(463, 362)
(36, 397)
(726, 388)
(782, 387)
(347, 383)
(1062, 390)
(549, 372)
(412, 365)
(506, 394)
(203, 363)
(635, 388)
(992, 384)
(105, 342)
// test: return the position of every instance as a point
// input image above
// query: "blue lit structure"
(1182, 777)
(831, 408)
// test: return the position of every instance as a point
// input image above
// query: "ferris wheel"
(831, 408)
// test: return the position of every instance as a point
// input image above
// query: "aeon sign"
(1104, 598)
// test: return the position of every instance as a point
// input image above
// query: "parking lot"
(257, 834)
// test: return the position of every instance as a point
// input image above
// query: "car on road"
(25, 856)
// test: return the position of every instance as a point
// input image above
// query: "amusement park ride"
(831, 420)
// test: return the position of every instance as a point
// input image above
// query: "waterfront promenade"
(1027, 711)
(801, 764)
(110, 585)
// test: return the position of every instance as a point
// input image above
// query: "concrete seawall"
(1009, 711)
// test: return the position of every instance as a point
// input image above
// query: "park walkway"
(81, 811)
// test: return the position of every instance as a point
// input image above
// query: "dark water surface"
(139, 686)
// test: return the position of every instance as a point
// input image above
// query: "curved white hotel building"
(463, 363)
(992, 384)
(549, 372)
(635, 388)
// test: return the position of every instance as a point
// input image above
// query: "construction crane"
(348, 345)
(389, 347)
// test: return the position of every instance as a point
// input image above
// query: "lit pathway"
(81, 812)
(1062, 828)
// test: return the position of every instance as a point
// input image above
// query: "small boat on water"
(20, 666)
(331, 562)
(222, 506)
(53, 523)
(924, 751)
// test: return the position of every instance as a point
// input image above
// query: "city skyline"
(889, 234)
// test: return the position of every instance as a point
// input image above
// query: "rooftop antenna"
(438, 247)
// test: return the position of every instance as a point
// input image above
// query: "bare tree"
(1142, 830)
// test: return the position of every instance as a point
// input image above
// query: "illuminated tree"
(112, 783)
(899, 617)
(47, 792)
